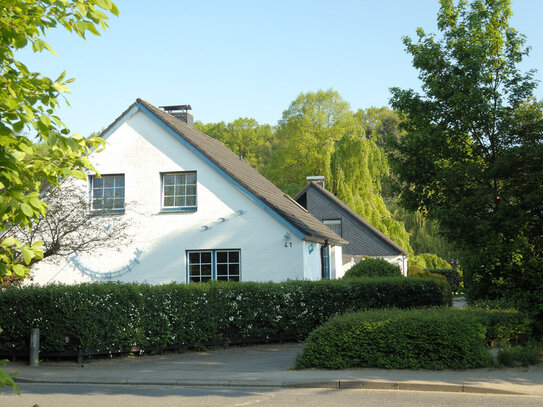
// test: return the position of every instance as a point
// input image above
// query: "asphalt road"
(58, 395)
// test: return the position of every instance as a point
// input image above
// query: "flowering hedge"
(115, 316)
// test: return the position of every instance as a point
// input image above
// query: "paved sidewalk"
(269, 366)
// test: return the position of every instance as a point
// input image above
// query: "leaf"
(27, 210)
(79, 174)
(10, 241)
(45, 120)
(27, 254)
(20, 270)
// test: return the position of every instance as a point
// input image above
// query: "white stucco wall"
(141, 150)
(312, 260)
(336, 260)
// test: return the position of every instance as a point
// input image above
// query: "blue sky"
(231, 59)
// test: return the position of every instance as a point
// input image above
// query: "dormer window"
(179, 191)
(107, 193)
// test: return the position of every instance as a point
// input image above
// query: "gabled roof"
(244, 176)
(334, 199)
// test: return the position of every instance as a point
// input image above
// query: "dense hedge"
(113, 316)
(430, 339)
(370, 267)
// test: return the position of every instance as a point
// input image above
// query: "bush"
(115, 316)
(370, 267)
(503, 326)
(416, 271)
(514, 356)
(396, 339)
(454, 278)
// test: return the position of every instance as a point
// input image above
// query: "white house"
(196, 211)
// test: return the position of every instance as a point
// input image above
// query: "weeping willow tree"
(320, 135)
(357, 166)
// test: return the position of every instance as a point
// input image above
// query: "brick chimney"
(317, 179)
(181, 112)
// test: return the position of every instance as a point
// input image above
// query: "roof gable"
(249, 181)
(343, 206)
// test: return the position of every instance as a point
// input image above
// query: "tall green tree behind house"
(305, 138)
(472, 153)
(27, 103)
(357, 166)
(320, 135)
(245, 137)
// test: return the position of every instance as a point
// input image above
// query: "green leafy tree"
(27, 102)
(245, 137)
(379, 124)
(472, 155)
(357, 166)
(305, 138)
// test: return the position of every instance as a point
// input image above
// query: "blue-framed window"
(222, 265)
(179, 191)
(107, 193)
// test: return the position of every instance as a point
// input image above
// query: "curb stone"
(330, 384)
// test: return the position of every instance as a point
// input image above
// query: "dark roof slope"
(249, 178)
(347, 209)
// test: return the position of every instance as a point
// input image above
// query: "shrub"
(115, 316)
(373, 268)
(454, 278)
(416, 271)
(430, 339)
(503, 326)
(513, 356)
(396, 339)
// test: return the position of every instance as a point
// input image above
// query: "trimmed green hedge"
(114, 316)
(370, 267)
(432, 339)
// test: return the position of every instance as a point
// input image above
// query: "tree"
(320, 135)
(245, 137)
(472, 157)
(305, 138)
(67, 226)
(28, 101)
(357, 166)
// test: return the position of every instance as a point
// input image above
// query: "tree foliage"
(472, 155)
(245, 137)
(28, 101)
(305, 138)
(357, 167)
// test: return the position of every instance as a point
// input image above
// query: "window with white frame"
(200, 266)
(334, 224)
(205, 265)
(107, 193)
(179, 191)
